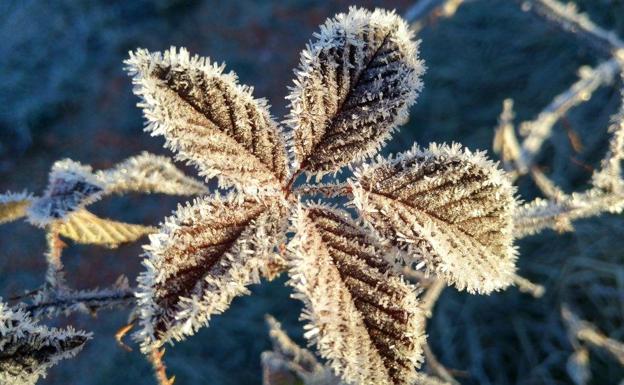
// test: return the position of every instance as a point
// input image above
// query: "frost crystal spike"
(354, 85)
(447, 208)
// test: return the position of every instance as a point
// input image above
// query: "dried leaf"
(364, 319)
(202, 258)
(13, 206)
(354, 86)
(28, 350)
(87, 228)
(149, 173)
(71, 187)
(449, 209)
(208, 119)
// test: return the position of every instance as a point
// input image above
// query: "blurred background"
(64, 94)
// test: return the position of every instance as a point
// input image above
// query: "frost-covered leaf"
(354, 86)
(364, 319)
(209, 119)
(71, 186)
(13, 206)
(449, 209)
(290, 364)
(203, 257)
(87, 228)
(28, 350)
(149, 173)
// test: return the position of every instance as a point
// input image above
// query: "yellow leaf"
(13, 206)
(86, 228)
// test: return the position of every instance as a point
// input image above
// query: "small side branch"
(526, 286)
(436, 367)
(588, 333)
(63, 302)
(431, 296)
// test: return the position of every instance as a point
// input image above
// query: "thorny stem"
(54, 274)
(288, 187)
(160, 370)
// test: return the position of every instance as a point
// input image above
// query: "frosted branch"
(567, 17)
(537, 131)
(50, 303)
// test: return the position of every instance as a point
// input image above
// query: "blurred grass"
(64, 94)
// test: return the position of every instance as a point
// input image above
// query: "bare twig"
(586, 332)
(526, 286)
(436, 367)
(546, 186)
(431, 296)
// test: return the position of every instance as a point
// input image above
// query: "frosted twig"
(541, 214)
(537, 131)
(607, 194)
(51, 303)
(609, 177)
(586, 332)
(526, 286)
(567, 17)
(546, 186)
(505, 140)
